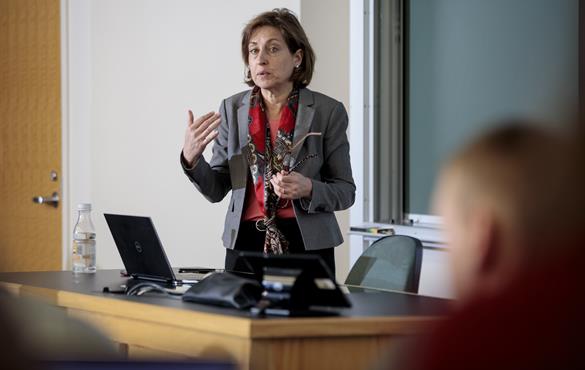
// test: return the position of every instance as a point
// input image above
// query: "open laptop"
(143, 254)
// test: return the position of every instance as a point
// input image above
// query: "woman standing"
(281, 149)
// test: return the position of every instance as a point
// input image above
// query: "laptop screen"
(139, 246)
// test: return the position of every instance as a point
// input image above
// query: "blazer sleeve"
(335, 191)
(213, 179)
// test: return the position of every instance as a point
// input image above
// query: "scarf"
(266, 160)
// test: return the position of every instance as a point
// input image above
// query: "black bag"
(225, 289)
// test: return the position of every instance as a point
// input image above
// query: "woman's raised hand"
(199, 133)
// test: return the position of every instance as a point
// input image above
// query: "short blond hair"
(520, 169)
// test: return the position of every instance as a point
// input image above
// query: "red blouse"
(252, 211)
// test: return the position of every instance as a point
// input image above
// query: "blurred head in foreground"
(513, 205)
(506, 199)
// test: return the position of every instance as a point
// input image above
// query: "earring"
(247, 75)
(297, 66)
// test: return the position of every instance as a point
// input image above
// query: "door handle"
(52, 200)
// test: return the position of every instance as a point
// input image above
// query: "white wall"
(133, 70)
(326, 23)
(135, 67)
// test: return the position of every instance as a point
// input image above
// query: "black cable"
(144, 287)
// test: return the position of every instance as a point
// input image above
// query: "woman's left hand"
(291, 185)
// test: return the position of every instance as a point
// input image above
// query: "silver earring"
(297, 66)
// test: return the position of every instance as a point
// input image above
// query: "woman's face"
(271, 63)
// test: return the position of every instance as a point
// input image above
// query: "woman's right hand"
(199, 133)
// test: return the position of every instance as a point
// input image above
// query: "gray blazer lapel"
(243, 112)
(305, 115)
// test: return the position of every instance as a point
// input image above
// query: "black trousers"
(251, 239)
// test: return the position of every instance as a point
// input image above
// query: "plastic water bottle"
(83, 254)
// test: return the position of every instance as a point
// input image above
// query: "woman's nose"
(262, 58)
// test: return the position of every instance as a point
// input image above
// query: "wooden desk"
(162, 327)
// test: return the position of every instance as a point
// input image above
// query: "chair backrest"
(391, 262)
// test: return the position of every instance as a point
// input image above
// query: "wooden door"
(30, 134)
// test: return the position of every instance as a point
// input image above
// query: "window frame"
(364, 17)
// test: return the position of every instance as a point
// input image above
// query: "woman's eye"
(273, 49)
(253, 51)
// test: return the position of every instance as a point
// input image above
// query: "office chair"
(392, 262)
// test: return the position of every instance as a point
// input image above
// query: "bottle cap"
(84, 207)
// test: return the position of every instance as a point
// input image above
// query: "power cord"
(144, 287)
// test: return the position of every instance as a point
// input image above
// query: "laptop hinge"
(151, 278)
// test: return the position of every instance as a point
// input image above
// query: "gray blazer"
(330, 171)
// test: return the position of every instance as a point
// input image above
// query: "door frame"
(76, 87)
